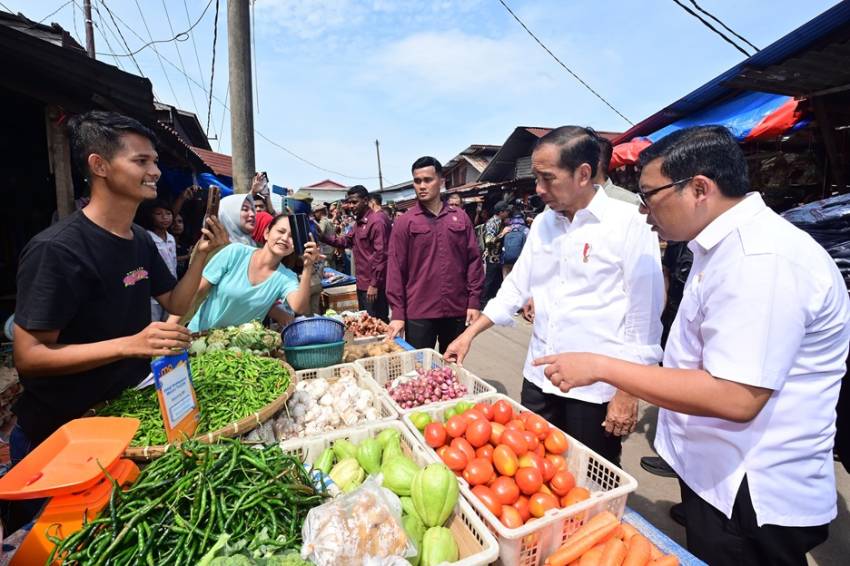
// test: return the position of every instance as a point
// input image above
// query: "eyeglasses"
(643, 196)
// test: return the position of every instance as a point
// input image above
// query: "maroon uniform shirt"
(368, 241)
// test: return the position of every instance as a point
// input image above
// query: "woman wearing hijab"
(243, 283)
(236, 213)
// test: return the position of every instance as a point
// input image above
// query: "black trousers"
(740, 541)
(425, 332)
(579, 419)
(379, 308)
(492, 282)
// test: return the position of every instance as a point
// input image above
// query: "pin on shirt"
(585, 255)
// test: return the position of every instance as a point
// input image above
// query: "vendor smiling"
(244, 283)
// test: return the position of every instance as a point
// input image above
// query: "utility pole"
(380, 175)
(241, 106)
(89, 29)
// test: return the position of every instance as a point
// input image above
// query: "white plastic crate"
(476, 545)
(390, 366)
(532, 543)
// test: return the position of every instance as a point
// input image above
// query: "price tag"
(177, 400)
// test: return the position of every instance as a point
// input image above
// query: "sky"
(424, 77)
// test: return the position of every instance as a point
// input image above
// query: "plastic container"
(317, 356)
(532, 543)
(476, 544)
(313, 331)
(386, 368)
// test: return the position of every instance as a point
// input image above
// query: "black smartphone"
(300, 226)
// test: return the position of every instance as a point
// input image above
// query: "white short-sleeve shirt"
(765, 306)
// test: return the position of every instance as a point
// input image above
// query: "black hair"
(277, 218)
(578, 145)
(606, 152)
(427, 161)
(376, 197)
(710, 151)
(159, 203)
(100, 132)
(358, 190)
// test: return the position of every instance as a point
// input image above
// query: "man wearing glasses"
(753, 364)
(593, 268)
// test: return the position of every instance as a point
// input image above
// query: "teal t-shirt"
(233, 300)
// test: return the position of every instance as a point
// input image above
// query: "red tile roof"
(220, 163)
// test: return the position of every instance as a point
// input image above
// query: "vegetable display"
(359, 351)
(361, 325)
(250, 338)
(229, 386)
(425, 386)
(199, 502)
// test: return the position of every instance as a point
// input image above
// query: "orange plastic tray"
(70, 459)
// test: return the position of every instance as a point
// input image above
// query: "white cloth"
(167, 249)
(619, 193)
(610, 304)
(765, 306)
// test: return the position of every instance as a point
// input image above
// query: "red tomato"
(516, 424)
(465, 447)
(540, 450)
(478, 432)
(545, 489)
(556, 442)
(505, 460)
(575, 495)
(485, 409)
(488, 498)
(548, 470)
(521, 505)
(528, 480)
(485, 452)
(562, 482)
(456, 426)
(511, 517)
(435, 435)
(530, 460)
(538, 426)
(524, 416)
(474, 414)
(442, 450)
(502, 411)
(539, 503)
(454, 459)
(559, 462)
(506, 490)
(531, 440)
(496, 433)
(478, 471)
(515, 440)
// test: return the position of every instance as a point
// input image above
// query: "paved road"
(498, 356)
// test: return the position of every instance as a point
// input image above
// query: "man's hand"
(471, 316)
(396, 329)
(622, 414)
(505, 231)
(528, 311)
(257, 183)
(157, 339)
(372, 294)
(457, 350)
(566, 371)
(311, 254)
(214, 237)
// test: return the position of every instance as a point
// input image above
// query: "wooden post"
(59, 157)
(837, 164)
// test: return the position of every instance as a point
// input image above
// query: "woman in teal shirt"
(244, 283)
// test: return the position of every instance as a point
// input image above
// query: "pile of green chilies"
(193, 497)
(229, 385)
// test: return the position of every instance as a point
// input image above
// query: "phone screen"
(300, 232)
(213, 199)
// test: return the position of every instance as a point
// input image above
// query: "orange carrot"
(574, 548)
(639, 551)
(591, 557)
(619, 532)
(629, 531)
(654, 552)
(668, 560)
(614, 553)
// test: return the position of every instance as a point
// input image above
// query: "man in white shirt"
(593, 267)
(753, 364)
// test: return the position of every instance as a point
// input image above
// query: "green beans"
(174, 513)
(229, 386)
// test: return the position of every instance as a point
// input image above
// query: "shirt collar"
(365, 219)
(596, 207)
(729, 221)
(419, 209)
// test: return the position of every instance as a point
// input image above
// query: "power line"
(727, 28)
(223, 116)
(212, 71)
(197, 57)
(121, 35)
(167, 79)
(106, 39)
(180, 58)
(712, 28)
(570, 71)
(54, 11)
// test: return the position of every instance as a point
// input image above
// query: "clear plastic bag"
(359, 528)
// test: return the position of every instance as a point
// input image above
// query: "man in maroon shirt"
(434, 273)
(368, 240)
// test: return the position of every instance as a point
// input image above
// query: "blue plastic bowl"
(312, 331)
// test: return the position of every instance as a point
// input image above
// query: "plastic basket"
(386, 368)
(316, 356)
(386, 412)
(532, 543)
(476, 544)
(313, 331)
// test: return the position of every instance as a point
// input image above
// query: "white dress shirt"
(765, 306)
(597, 287)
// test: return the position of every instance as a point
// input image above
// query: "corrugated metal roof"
(326, 185)
(220, 163)
(801, 38)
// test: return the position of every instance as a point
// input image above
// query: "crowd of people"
(734, 350)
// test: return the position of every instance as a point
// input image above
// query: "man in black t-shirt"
(82, 323)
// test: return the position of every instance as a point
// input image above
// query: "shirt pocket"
(457, 235)
(689, 319)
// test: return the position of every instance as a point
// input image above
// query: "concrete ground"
(498, 356)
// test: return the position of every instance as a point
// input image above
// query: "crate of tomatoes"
(533, 485)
